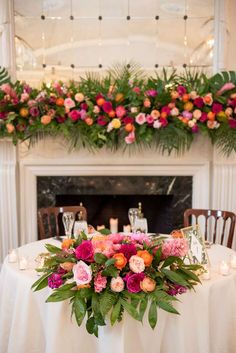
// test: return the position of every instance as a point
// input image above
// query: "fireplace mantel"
(50, 157)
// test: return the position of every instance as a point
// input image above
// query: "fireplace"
(163, 198)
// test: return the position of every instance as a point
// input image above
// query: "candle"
(233, 261)
(114, 225)
(100, 227)
(12, 257)
(23, 263)
(206, 274)
(127, 229)
(224, 268)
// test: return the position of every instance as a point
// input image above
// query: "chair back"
(218, 225)
(50, 219)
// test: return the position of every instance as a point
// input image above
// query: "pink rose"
(140, 118)
(74, 115)
(69, 103)
(82, 273)
(136, 264)
(120, 111)
(117, 284)
(150, 119)
(130, 138)
(100, 283)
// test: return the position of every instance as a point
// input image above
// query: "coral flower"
(46, 119)
(67, 243)
(121, 260)
(146, 256)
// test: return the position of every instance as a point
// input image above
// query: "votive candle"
(127, 228)
(233, 261)
(12, 257)
(23, 263)
(224, 268)
(206, 274)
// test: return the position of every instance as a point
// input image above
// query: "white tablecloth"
(207, 323)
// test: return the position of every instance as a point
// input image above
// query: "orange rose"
(119, 97)
(146, 256)
(121, 260)
(211, 116)
(67, 266)
(185, 97)
(89, 121)
(100, 101)
(60, 102)
(129, 127)
(67, 243)
(188, 106)
(46, 119)
(148, 284)
(112, 114)
(10, 128)
(24, 112)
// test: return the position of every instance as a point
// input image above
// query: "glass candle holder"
(233, 261)
(224, 268)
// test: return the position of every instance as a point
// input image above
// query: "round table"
(206, 324)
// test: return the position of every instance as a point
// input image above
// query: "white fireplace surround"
(213, 178)
(50, 158)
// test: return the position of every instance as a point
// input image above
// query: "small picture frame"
(197, 248)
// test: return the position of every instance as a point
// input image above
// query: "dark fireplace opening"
(157, 209)
(164, 198)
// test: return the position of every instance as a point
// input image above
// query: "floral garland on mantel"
(124, 108)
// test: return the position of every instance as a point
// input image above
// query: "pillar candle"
(114, 225)
(127, 229)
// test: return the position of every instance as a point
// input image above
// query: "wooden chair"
(50, 219)
(218, 225)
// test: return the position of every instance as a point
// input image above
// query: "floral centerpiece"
(124, 108)
(109, 274)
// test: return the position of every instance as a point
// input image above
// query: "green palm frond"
(193, 79)
(4, 77)
(128, 71)
(218, 80)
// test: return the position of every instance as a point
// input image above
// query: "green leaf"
(52, 248)
(105, 231)
(167, 307)
(152, 315)
(158, 255)
(111, 271)
(110, 262)
(41, 283)
(58, 296)
(143, 307)
(115, 312)
(174, 277)
(91, 326)
(189, 274)
(100, 258)
(79, 309)
(130, 309)
(107, 300)
(170, 260)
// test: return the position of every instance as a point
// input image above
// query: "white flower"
(117, 284)
(157, 124)
(136, 264)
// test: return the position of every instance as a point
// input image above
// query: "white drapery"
(8, 198)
